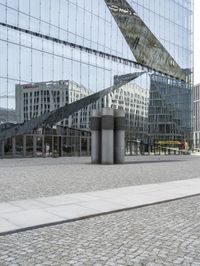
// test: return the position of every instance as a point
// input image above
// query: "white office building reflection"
(35, 99)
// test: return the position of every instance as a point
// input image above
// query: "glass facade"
(50, 40)
(169, 109)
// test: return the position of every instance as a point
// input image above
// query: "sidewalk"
(39, 212)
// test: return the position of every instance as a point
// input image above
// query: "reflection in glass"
(102, 51)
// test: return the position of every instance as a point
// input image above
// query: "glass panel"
(12, 16)
(2, 13)
(57, 66)
(13, 61)
(23, 20)
(36, 64)
(45, 7)
(35, 8)
(3, 59)
(24, 6)
(12, 3)
(47, 67)
(25, 64)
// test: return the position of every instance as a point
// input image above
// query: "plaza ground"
(161, 234)
(32, 178)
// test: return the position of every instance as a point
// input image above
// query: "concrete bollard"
(96, 137)
(107, 136)
(119, 136)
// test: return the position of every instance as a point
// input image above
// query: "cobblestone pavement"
(32, 178)
(163, 234)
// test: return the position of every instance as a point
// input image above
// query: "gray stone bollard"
(96, 137)
(107, 136)
(119, 136)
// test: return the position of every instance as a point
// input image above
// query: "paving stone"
(154, 235)
(164, 234)
(43, 177)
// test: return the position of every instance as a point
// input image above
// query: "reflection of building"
(169, 109)
(35, 99)
(196, 113)
(7, 115)
(90, 42)
(135, 101)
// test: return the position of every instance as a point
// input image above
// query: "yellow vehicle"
(175, 144)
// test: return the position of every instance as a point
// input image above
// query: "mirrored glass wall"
(80, 41)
